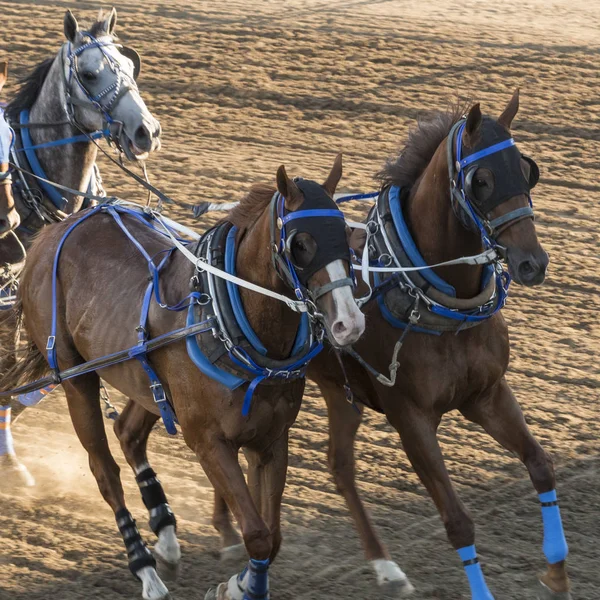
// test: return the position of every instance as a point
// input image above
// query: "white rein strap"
(201, 265)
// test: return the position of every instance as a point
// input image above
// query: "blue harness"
(247, 353)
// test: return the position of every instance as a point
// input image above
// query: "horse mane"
(29, 90)
(422, 143)
(32, 84)
(251, 206)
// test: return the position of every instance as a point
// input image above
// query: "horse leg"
(344, 421)
(232, 547)
(418, 434)
(220, 463)
(132, 428)
(501, 416)
(83, 398)
(14, 473)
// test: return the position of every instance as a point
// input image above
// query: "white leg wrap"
(388, 572)
(152, 586)
(233, 587)
(167, 546)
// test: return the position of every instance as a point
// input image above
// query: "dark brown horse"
(100, 295)
(455, 366)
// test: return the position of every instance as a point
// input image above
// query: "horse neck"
(437, 232)
(274, 323)
(70, 165)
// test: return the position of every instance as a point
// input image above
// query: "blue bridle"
(105, 100)
(488, 229)
(283, 250)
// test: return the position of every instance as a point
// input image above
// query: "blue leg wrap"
(555, 544)
(479, 589)
(257, 587)
(6, 439)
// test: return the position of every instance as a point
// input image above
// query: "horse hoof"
(545, 593)
(218, 593)
(14, 473)
(152, 586)
(166, 570)
(392, 581)
(234, 554)
(397, 589)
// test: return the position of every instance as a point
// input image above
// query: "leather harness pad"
(397, 299)
(212, 347)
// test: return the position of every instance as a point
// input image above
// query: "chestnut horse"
(88, 90)
(455, 366)
(464, 367)
(100, 294)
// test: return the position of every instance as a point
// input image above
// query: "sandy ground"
(242, 86)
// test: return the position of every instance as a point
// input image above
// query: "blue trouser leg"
(479, 589)
(6, 439)
(33, 398)
(555, 544)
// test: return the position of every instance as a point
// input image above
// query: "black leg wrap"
(138, 555)
(155, 500)
(160, 517)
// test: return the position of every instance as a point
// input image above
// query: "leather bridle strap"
(329, 287)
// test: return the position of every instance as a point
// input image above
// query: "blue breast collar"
(35, 165)
(195, 353)
(411, 248)
(413, 252)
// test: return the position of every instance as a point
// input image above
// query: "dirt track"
(240, 90)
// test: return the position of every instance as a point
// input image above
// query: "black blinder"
(329, 233)
(534, 171)
(135, 58)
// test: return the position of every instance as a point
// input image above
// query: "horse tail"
(20, 365)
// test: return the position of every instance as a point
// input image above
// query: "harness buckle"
(158, 392)
(51, 343)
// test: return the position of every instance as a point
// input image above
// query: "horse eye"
(89, 76)
(481, 182)
(301, 246)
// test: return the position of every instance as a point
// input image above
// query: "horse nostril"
(4, 225)
(142, 137)
(527, 269)
(338, 328)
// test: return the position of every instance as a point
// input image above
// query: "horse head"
(317, 248)
(101, 84)
(498, 180)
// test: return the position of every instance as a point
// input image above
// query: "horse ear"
(71, 26)
(334, 176)
(289, 190)
(110, 22)
(510, 112)
(3, 73)
(474, 119)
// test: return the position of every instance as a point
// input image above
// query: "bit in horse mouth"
(132, 151)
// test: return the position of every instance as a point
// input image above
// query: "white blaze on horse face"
(348, 321)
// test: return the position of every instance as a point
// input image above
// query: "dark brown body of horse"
(99, 302)
(437, 374)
